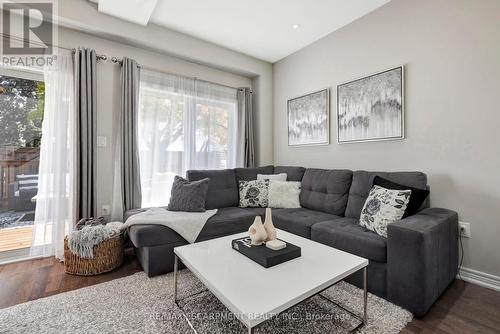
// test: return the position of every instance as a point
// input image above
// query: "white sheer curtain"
(215, 127)
(54, 213)
(183, 124)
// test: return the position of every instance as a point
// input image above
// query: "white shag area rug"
(138, 304)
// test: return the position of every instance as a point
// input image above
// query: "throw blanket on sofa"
(187, 224)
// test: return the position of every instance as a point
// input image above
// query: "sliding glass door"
(21, 114)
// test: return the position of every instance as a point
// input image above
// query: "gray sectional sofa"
(410, 268)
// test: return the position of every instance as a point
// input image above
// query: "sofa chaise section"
(155, 244)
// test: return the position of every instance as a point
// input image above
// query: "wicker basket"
(108, 255)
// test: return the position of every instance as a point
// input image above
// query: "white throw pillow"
(273, 177)
(282, 194)
(383, 207)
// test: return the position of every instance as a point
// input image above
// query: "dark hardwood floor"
(33, 279)
(463, 308)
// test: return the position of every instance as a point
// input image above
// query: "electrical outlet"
(105, 211)
(101, 141)
(464, 229)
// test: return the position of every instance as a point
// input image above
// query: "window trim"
(34, 74)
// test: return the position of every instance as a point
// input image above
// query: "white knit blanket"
(187, 224)
(82, 242)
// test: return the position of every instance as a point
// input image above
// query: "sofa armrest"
(422, 258)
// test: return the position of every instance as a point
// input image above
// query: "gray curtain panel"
(86, 124)
(245, 112)
(131, 182)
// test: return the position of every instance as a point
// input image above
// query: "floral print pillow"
(383, 207)
(253, 194)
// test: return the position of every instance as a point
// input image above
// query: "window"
(183, 124)
(21, 113)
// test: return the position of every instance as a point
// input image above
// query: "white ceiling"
(136, 11)
(259, 28)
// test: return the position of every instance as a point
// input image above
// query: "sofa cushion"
(326, 190)
(222, 187)
(249, 174)
(153, 235)
(362, 182)
(225, 222)
(346, 234)
(293, 173)
(299, 221)
(257, 211)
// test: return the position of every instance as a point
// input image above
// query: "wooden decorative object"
(108, 255)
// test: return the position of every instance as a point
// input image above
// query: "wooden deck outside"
(15, 238)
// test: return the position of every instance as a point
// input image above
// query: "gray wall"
(451, 50)
(108, 102)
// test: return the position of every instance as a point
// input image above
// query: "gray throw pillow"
(188, 196)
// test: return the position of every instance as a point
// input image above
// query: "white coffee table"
(253, 293)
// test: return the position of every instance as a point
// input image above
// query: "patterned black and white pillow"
(383, 207)
(253, 194)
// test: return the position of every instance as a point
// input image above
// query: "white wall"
(451, 50)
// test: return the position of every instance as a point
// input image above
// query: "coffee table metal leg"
(176, 301)
(176, 267)
(250, 330)
(365, 295)
(362, 318)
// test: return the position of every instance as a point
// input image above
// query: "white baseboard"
(480, 278)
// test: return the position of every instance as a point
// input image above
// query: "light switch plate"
(101, 141)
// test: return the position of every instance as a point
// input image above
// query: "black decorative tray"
(264, 256)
